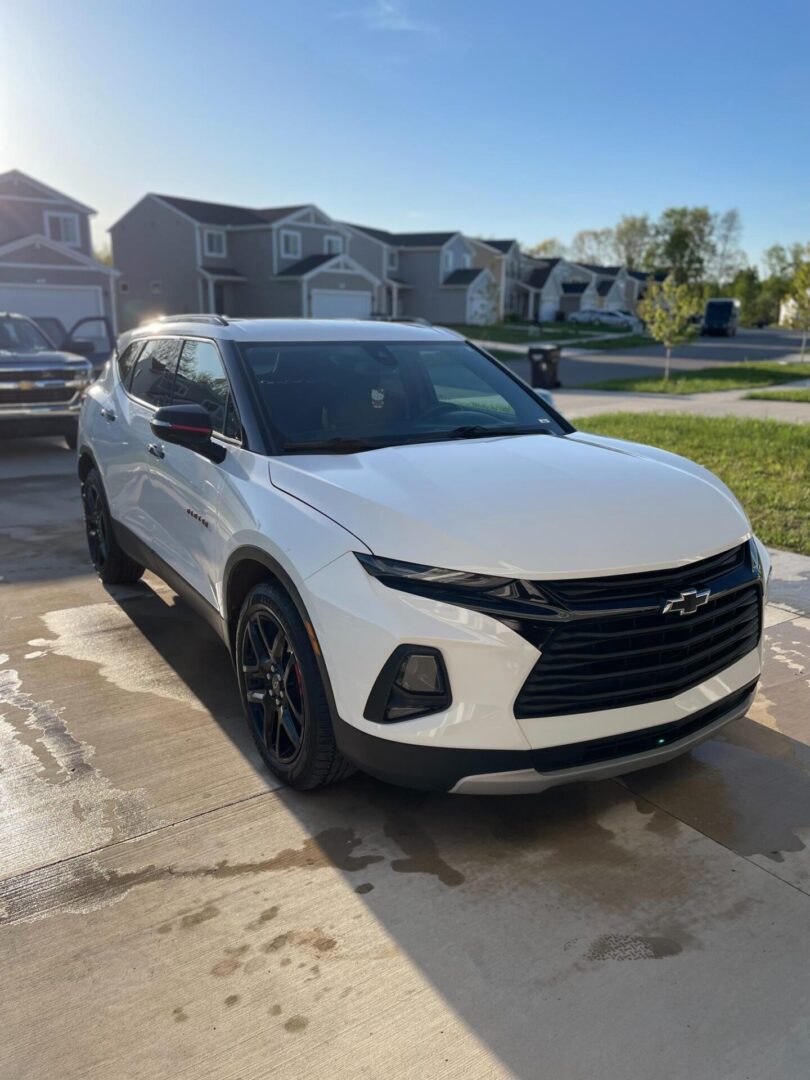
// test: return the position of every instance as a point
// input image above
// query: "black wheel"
(72, 437)
(283, 694)
(112, 563)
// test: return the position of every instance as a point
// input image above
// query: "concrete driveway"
(167, 911)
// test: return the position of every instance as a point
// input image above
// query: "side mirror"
(189, 426)
(80, 348)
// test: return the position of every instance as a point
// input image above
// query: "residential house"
(550, 287)
(637, 282)
(503, 260)
(178, 255)
(609, 288)
(47, 267)
(432, 275)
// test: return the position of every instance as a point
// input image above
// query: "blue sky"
(526, 119)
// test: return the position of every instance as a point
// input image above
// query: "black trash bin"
(544, 361)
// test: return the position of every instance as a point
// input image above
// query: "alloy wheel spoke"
(293, 733)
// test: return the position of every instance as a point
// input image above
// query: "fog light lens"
(419, 674)
(412, 683)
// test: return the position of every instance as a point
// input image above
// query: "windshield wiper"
(480, 431)
(338, 445)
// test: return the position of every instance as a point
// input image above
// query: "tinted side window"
(154, 372)
(126, 361)
(201, 379)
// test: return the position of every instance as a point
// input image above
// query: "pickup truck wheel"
(72, 436)
(111, 562)
(283, 694)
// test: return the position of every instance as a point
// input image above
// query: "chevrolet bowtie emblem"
(688, 602)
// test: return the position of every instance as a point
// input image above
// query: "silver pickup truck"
(41, 387)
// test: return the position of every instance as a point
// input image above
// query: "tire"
(111, 562)
(283, 693)
(72, 437)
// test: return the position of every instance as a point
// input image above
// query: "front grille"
(594, 751)
(617, 648)
(45, 395)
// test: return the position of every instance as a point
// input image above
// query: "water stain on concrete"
(275, 1010)
(82, 885)
(194, 918)
(179, 1014)
(366, 887)
(749, 790)
(278, 942)
(296, 1024)
(422, 855)
(231, 1000)
(265, 916)
(632, 947)
(45, 763)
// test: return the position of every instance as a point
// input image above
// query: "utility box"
(544, 361)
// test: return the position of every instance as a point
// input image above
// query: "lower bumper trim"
(497, 772)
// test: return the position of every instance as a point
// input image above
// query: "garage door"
(67, 303)
(340, 304)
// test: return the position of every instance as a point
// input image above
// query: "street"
(583, 367)
(167, 910)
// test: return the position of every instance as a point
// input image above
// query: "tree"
(551, 248)
(631, 241)
(668, 309)
(746, 287)
(683, 242)
(799, 302)
(783, 262)
(728, 257)
(593, 246)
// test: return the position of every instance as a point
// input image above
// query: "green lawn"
(766, 463)
(729, 377)
(780, 395)
(526, 333)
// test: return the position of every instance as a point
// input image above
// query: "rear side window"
(126, 361)
(201, 380)
(154, 371)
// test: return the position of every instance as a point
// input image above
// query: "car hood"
(52, 360)
(533, 506)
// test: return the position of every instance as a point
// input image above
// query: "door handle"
(156, 451)
(108, 414)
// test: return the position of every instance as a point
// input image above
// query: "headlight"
(402, 572)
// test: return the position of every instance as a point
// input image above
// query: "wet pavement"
(166, 910)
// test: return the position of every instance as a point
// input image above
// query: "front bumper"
(478, 744)
(504, 772)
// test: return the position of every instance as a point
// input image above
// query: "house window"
(448, 262)
(64, 228)
(215, 243)
(466, 262)
(290, 244)
(393, 259)
(123, 286)
(333, 245)
(157, 287)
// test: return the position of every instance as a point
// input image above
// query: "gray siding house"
(177, 255)
(432, 276)
(47, 266)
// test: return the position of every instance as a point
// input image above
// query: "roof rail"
(217, 320)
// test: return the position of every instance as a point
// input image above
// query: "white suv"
(419, 568)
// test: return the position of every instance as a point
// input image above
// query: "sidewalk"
(580, 403)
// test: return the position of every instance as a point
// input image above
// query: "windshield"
(21, 335)
(349, 396)
(719, 309)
